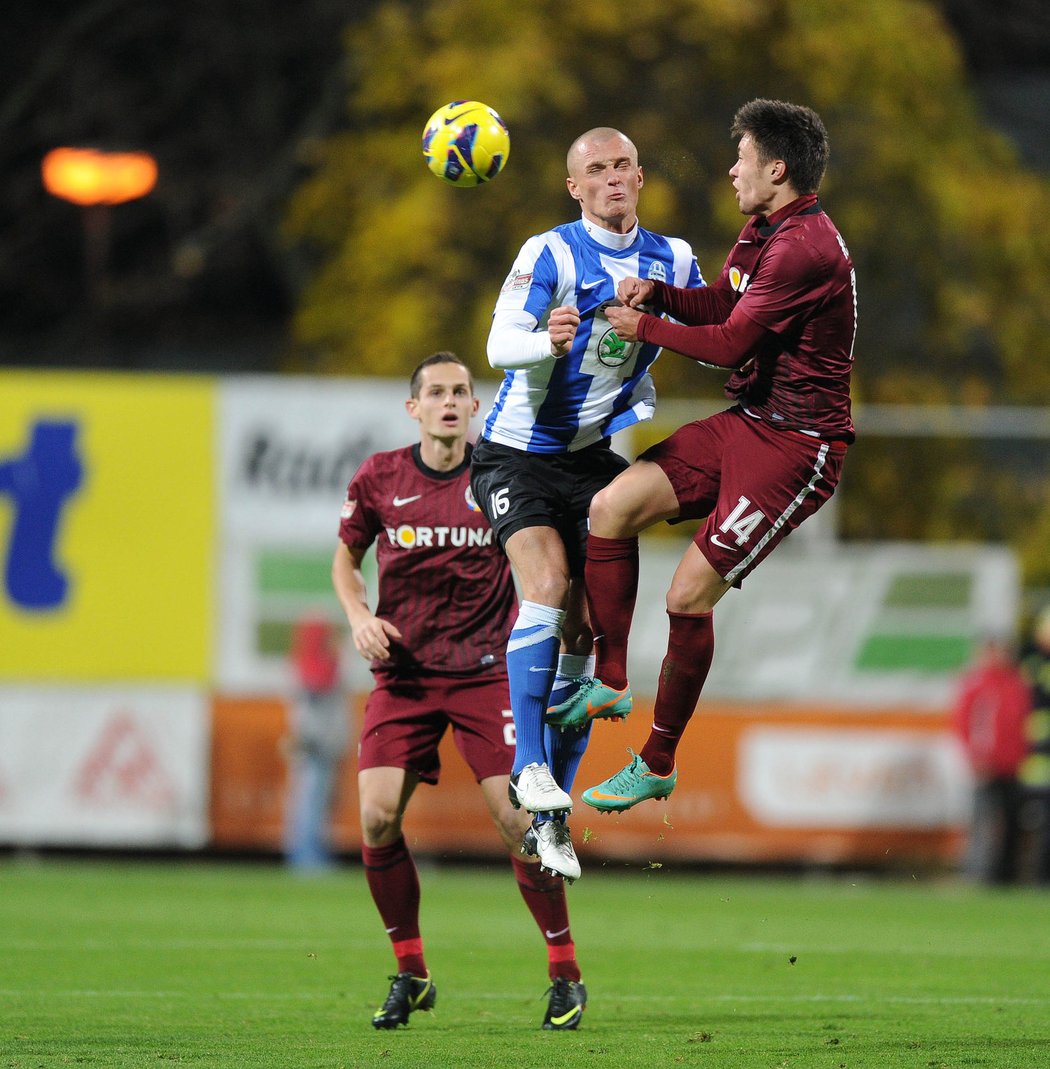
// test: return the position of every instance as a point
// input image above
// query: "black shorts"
(516, 489)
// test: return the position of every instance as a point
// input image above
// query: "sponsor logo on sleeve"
(517, 280)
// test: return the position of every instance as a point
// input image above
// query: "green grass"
(207, 964)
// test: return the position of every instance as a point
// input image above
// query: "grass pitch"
(148, 964)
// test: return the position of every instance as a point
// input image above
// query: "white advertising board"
(286, 450)
(852, 778)
(113, 767)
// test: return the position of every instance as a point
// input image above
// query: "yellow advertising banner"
(107, 526)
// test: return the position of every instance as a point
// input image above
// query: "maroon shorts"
(406, 718)
(754, 484)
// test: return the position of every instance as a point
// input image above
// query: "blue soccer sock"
(532, 657)
(566, 748)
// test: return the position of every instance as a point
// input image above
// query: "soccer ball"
(466, 143)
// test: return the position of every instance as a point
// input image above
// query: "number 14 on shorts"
(740, 523)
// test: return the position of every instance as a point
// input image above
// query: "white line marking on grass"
(87, 993)
(190, 944)
(885, 949)
(491, 996)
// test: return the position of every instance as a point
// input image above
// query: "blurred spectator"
(320, 737)
(993, 703)
(1035, 769)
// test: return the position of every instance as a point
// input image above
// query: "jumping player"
(435, 641)
(782, 316)
(569, 384)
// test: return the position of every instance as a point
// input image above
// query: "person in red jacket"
(993, 701)
(320, 735)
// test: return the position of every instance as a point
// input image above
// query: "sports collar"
(809, 204)
(617, 242)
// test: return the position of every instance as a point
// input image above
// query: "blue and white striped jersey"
(558, 405)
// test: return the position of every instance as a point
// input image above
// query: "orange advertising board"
(757, 784)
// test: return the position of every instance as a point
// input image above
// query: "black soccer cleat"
(567, 1002)
(408, 993)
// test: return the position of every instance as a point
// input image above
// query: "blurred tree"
(954, 278)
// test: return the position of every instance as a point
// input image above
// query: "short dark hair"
(415, 384)
(789, 132)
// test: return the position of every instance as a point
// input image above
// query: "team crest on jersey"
(738, 280)
(612, 350)
(348, 509)
(468, 497)
(517, 280)
(657, 272)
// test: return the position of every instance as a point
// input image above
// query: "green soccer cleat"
(631, 785)
(567, 1002)
(591, 700)
(408, 993)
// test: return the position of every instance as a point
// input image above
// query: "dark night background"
(231, 97)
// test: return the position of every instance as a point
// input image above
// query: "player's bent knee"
(622, 509)
(699, 593)
(380, 824)
(603, 516)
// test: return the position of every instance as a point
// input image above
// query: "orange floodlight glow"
(91, 176)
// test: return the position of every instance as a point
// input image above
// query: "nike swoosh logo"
(718, 542)
(399, 501)
(534, 669)
(594, 710)
(566, 1016)
(389, 930)
(554, 935)
(591, 285)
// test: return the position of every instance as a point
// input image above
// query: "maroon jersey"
(791, 276)
(444, 582)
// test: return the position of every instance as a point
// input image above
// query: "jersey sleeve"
(514, 340)
(686, 270)
(359, 523)
(783, 288)
(717, 345)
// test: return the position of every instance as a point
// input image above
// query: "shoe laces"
(626, 776)
(561, 996)
(400, 990)
(558, 833)
(574, 684)
(543, 780)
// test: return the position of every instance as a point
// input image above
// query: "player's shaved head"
(599, 135)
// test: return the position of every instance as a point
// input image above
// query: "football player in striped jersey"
(570, 382)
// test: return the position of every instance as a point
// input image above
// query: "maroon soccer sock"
(690, 647)
(611, 577)
(545, 897)
(394, 883)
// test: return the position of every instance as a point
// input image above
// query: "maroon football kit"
(445, 584)
(787, 292)
(791, 278)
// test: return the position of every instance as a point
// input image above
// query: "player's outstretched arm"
(371, 635)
